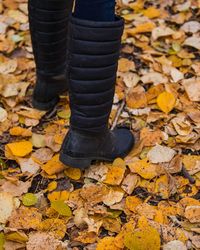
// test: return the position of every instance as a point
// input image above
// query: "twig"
(119, 111)
(187, 175)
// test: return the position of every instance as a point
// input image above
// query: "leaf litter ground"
(149, 200)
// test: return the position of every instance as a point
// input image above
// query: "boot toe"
(124, 141)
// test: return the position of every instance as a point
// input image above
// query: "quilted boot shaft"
(49, 27)
(93, 58)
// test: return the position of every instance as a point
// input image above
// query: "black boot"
(94, 52)
(49, 26)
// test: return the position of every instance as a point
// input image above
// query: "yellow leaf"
(52, 186)
(112, 225)
(2, 241)
(57, 227)
(142, 222)
(191, 161)
(162, 186)
(129, 17)
(73, 173)
(86, 237)
(151, 12)
(137, 6)
(19, 131)
(143, 239)
(25, 218)
(59, 195)
(17, 237)
(107, 243)
(127, 228)
(115, 173)
(141, 28)
(132, 202)
(166, 102)
(19, 149)
(53, 166)
(145, 169)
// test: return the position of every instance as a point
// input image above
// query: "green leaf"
(29, 199)
(65, 114)
(114, 213)
(2, 241)
(62, 208)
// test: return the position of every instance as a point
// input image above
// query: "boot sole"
(81, 163)
(84, 163)
(45, 106)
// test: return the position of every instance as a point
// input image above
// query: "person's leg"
(48, 21)
(94, 51)
(95, 10)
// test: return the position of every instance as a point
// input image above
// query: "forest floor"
(148, 201)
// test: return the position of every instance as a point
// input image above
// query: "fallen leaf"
(175, 245)
(151, 12)
(115, 173)
(25, 218)
(43, 240)
(93, 194)
(57, 227)
(53, 166)
(17, 237)
(132, 202)
(160, 154)
(141, 28)
(8, 66)
(192, 88)
(38, 140)
(42, 155)
(125, 65)
(166, 102)
(191, 27)
(136, 98)
(29, 199)
(161, 32)
(154, 77)
(192, 213)
(19, 149)
(7, 205)
(16, 189)
(28, 165)
(130, 182)
(145, 169)
(107, 243)
(114, 196)
(192, 42)
(143, 239)
(86, 237)
(62, 208)
(19, 131)
(2, 241)
(151, 138)
(176, 74)
(96, 172)
(3, 114)
(73, 173)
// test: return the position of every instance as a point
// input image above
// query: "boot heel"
(81, 163)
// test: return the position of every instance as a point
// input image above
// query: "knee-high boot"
(93, 55)
(49, 27)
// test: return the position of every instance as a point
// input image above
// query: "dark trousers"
(95, 10)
